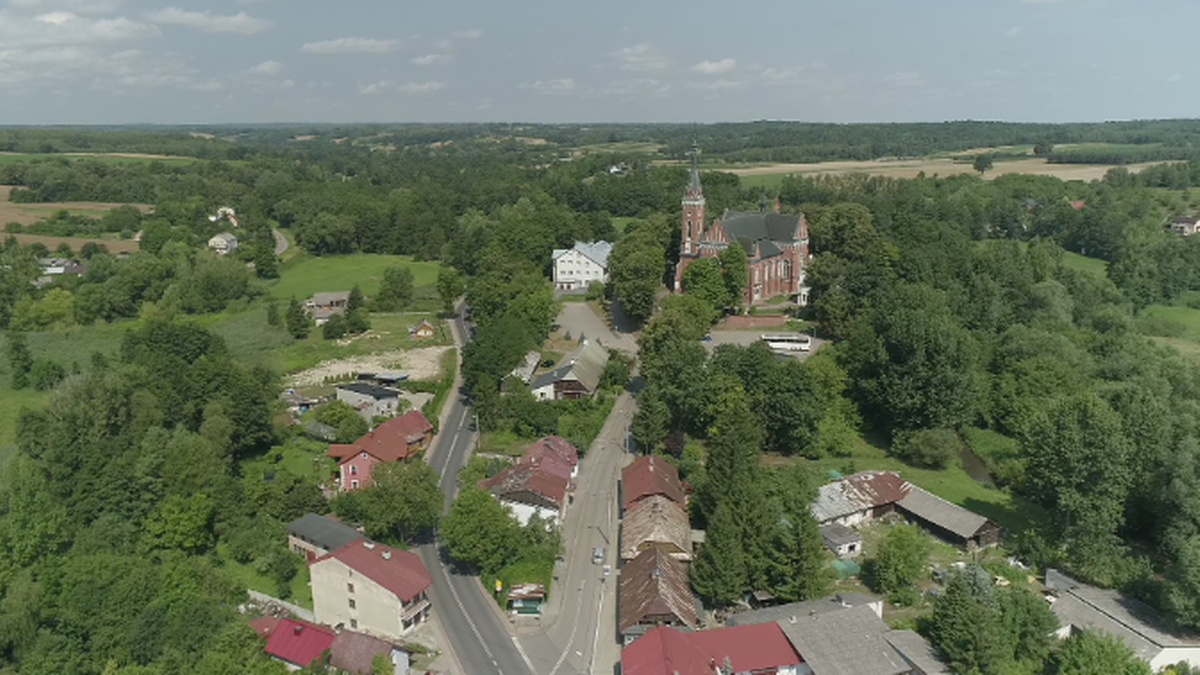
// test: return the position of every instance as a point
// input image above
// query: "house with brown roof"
(556, 448)
(656, 522)
(647, 476)
(654, 591)
(423, 330)
(757, 649)
(531, 488)
(397, 439)
(371, 588)
(292, 641)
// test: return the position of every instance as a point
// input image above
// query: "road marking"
(596, 640)
(449, 454)
(461, 608)
(524, 658)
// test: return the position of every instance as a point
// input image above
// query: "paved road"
(470, 619)
(582, 637)
(281, 242)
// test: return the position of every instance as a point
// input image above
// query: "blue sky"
(255, 61)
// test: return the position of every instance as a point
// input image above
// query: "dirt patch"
(76, 243)
(943, 166)
(27, 214)
(745, 322)
(423, 363)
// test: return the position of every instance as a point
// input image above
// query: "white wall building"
(370, 588)
(575, 268)
(223, 243)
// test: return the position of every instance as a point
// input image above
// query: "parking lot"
(747, 337)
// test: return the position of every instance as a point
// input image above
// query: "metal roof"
(950, 517)
(849, 642)
(858, 492)
(656, 521)
(917, 651)
(655, 584)
(324, 532)
(797, 610)
(584, 365)
(836, 534)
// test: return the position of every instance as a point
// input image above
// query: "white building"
(371, 588)
(223, 243)
(575, 268)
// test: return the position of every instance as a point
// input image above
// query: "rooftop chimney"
(369, 544)
(387, 555)
(297, 629)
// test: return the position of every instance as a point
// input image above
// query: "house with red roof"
(647, 476)
(298, 643)
(531, 488)
(371, 588)
(395, 440)
(556, 448)
(757, 649)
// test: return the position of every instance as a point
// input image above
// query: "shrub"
(45, 374)
(928, 448)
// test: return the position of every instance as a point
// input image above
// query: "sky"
(278, 61)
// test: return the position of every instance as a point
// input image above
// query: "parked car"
(597, 555)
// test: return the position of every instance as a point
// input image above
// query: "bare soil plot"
(423, 363)
(27, 214)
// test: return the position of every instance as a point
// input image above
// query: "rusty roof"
(655, 584)
(656, 521)
(859, 492)
(538, 479)
(650, 475)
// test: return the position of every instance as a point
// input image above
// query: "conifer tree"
(799, 569)
(298, 323)
(719, 572)
(20, 362)
(966, 625)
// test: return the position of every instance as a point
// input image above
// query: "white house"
(575, 268)
(370, 588)
(223, 243)
(531, 488)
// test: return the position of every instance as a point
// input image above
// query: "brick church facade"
(776, 245)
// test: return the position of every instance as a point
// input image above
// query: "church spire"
(694, 190)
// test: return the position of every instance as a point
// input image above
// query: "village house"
(324, 306)
(647, 476)
(867, 495)
(1184, 226)
(1079, 607)
(654, 591)
(369, 400)
(424, 330)
(223, 243)
(759, 649)
(776, 244)
(371, 588)
(294, 642)
(530, 489)
(656, 522)
(312, 536)
(577, 376)
(575, 268)
(397, 439)
(555, 448)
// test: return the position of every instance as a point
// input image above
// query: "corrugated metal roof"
(656, 521)
(858, 492)
(849, 642)
(934, 509)
(917, 651)
(655, 584)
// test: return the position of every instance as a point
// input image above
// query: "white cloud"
(641, 87)
(376, 87)
(76, 6)
(351, 45)
(472, 34)
(563, 86)
(56, 18)
(67, 28)
(643, 57)
(1013, 32)
(1175, 77)
(717, 85)
(431, 59)
(266, 68)
(715, 67)
(421, 87)
(240, 23)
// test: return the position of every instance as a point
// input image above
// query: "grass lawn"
(1013, 513)
(503, 443)
(766, 181)
(622, 223)
(1183, 321)
(250, 578)
(308, 275)
(1085, 264)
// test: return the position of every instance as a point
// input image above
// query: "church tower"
(692, 223)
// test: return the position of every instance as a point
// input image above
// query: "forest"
(954, 305)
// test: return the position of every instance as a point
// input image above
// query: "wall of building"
(523, 512)
(376, 611)
(356, 468)
(574, 270)
(373, 407)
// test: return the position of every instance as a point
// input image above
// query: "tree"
(983, 162)
(703, 279)
(636, 268)
(266, 265)
(335, 327)
(928, 448)
(652, 420)
(272, 313)
(1090, 652)
(901, 559)
(1043, 148)
(734, 271)
(480, 531)
(45, 374)
(449, 287)
(404, 499)
(798, 565)
(298, 322)
(349, 424)
(20, 362)
(395, 290)
(1028, 623)
(966, 624)
(719, 572)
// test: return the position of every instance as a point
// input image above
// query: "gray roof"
(950, 517)
(849, 642)
(227, 237)
(328, 297)
(596, 251)
(858, 492)
(836, 534)
(367, 389)
(1137, 625)
(584, 365)
(319, 530)
(770, 226)
(797, 610)
(917, 651)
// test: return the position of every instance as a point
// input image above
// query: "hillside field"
(311, 274)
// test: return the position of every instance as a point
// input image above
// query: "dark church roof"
(758, 226)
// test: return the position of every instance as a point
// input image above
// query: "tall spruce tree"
(966, 625)
(719, 573)
(798, 566)
(20, 362)
(298, 323)
(734, 445)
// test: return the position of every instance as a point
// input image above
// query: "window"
(349, 588)
(353, 470)
(352, 605)
(353, 484)
(354, 623)
(364, 455)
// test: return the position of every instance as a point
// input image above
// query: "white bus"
(788, 342)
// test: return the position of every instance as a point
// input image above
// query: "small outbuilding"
(843, 541)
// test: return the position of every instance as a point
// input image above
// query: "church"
(776, 245)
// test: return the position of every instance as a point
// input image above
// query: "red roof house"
(264, 625)
(755, 648)
(553, 445)
(397, 439)
(650, 475)
(370, 587)
(531, 488)
(298, 642)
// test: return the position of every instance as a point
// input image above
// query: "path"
(281, 242)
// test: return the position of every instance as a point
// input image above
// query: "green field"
(308, 275)
(622, 223)
(16, 157)
(768, 181)
(1085, 264)
(634, 147)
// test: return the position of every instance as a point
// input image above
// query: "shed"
(843, 541)
(949, 521)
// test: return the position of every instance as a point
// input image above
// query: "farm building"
(948, 521)
(656, 522)
(422, 331)
(843, 541)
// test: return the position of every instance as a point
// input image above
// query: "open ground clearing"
(311, 274)
(76, 243)
(422, 363)
(27, 214)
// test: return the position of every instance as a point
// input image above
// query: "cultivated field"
(107, 157)
(771, 174)
(27, 214)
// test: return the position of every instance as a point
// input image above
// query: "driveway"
(578, 318)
